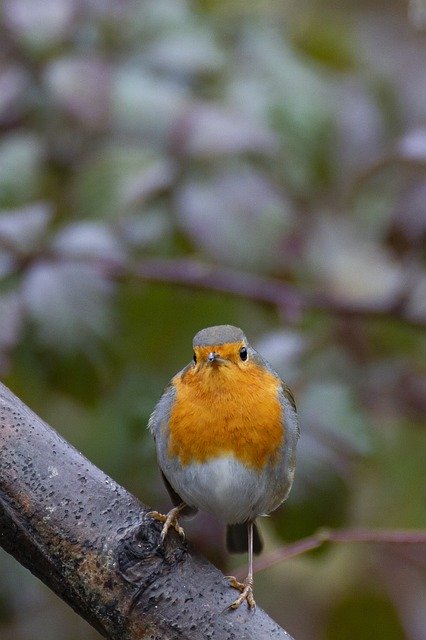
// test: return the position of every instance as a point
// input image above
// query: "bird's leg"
(245, 587)
(170, 519)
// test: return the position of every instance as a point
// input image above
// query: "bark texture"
(91, 542)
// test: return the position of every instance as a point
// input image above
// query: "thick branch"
(90, 541)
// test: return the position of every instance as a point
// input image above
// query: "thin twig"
(387, 536)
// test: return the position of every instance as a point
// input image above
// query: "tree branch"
(385, 536)
(291, 299)
(91, 542)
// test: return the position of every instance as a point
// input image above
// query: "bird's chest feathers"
(226, 411)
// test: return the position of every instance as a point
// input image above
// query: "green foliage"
(367, 615)
(324, 504)
(326, 42)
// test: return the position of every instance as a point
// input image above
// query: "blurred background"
(168, 165)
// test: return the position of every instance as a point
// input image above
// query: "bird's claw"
(246, 589)
(169, 519)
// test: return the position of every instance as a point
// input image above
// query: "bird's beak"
(214, 357)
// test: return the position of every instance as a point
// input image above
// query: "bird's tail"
(237, 538)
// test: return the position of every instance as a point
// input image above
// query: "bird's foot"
(246, 589)
(170, 519)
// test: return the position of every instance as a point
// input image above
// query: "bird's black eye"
(243, 353)
(194, 357)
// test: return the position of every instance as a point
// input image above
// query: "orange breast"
(221, 410)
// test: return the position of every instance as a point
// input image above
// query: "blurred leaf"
(152, 229)
(186, 53)
(327, 42)
(413, 146)
(277, 87)
(153, 178)
(350, 267)
(69, 302)
(92, 240)
(24, 230)
(360, 133)
(283, 349)
(213, 131)
(334, 435)
(39, 25)
(146, 103)
(107, 184)
(21, 155)
(153, 18)
(374, 204)
(332, 407)
(237, 217)
(82, 88)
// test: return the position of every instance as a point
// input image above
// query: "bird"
(225, 432)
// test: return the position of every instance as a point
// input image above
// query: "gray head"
(222, 334)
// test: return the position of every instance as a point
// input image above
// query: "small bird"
(226, 431)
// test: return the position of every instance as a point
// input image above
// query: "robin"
(226, 431)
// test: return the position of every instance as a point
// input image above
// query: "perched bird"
(226, 431)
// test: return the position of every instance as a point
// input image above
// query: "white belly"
(228, 490)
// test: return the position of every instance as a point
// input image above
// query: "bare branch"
(289, 298)
(387, 536)
(90, 541)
